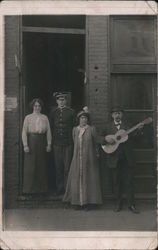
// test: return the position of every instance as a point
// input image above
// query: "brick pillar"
(98, 69)
(12, 132)
(98, 81)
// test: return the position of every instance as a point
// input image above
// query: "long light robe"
(83, 185)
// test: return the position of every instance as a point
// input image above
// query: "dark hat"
(60, 94)
(117, 109)
(84, 112)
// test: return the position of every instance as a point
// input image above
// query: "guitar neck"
(133, 128)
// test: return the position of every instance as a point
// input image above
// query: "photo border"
(69, 239)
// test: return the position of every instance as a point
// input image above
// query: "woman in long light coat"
(83, 185)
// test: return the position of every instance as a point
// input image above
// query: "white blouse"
(36, 123)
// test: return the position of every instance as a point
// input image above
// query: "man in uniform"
(120, 162)
(62, 120)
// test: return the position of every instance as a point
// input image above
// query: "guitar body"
(122, 136)
(119, 137)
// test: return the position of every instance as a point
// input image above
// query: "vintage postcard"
(78, 125)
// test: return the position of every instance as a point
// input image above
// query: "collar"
(36, 114)
(82, 130)
(85, 127)
(61, 108)
(117, 123)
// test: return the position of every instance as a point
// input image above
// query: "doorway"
(53, 60)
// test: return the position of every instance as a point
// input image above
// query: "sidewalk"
(103, 219)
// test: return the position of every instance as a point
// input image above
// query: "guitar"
(122, 136)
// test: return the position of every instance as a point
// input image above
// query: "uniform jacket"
(62, 122)
(125, 149)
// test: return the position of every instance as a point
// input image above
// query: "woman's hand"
(97, 152)
(26, 149)
(98, 155)
(48, 148)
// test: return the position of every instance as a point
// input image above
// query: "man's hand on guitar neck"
(110, 140)
(139, 130)
(141, 126)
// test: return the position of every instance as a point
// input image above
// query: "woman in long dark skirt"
(36, 138)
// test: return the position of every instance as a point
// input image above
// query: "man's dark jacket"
(62, 122)
(125, 149)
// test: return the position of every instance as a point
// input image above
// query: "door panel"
(133, 86)
(133, 43)
(135, 92)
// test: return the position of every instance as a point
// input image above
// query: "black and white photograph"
(78, 125)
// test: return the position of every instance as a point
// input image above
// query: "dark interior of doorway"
(54, 62)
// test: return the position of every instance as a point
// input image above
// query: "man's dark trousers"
(122, 182)
(62, 158)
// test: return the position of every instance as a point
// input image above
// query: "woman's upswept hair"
(32, 103)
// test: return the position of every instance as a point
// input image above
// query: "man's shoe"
(118, 208)
(133, 209)
(77, 207)
(66, 205)
(87, 207)
(60, 193)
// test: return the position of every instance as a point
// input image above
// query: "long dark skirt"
(35, 179)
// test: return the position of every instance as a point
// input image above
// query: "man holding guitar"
(118, 146)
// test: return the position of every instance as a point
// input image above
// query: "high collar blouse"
(36, 123)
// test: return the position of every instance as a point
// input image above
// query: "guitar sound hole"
(118, 137)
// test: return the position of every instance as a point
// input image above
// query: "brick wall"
(98, 68)
(98, 81)
(11, 147)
